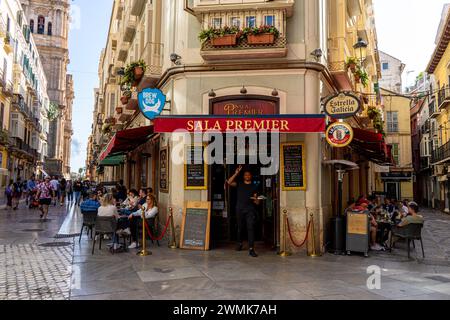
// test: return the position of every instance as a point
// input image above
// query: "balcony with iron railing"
(441, 154)
(444, 97)
(424, 163)
(433, 110)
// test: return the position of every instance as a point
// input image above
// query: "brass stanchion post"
(285, 252)
(173, 243)
(313, 236)
(143, 252)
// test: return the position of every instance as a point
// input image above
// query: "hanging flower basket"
(263, 38)
(119, 110)
(138, 73)
(226, 40)
(124, 100)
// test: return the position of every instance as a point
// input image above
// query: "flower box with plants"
(133, 73)
(361, 76)
(352, 64)
(261, 35)
(219, 37)
(126, 96)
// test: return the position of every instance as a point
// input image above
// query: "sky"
(89, 29)
(406, 30)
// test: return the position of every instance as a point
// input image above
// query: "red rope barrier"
(162, 234)
(292, 238)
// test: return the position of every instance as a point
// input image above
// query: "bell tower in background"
(49, 22)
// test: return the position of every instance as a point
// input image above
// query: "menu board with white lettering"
(293, 167)
(164, 170)
(195, 227)
(195, 169)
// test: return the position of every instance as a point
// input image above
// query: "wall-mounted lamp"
(212, 94)
(244, 90)
(275, 93)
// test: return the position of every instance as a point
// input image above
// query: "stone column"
(313, 160)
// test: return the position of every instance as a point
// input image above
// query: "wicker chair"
(104, 226)
(410, 233)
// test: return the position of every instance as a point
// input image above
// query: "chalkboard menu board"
(196, 226)
(293, 166)
(195, 169)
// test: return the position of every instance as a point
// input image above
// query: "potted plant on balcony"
(261, 35)
(351, 64)
(373, 112)
(361, 76)
(126, 95)
(226, 36)
(133, 73)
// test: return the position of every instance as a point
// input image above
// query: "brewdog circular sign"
(151, 102)
(342, 105)
(339, 134)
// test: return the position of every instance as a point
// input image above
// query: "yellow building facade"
(439, 103)
(306, 64)
(397, 182)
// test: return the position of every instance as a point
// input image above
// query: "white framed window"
(235, 22)
(269, 20)
(392, 121)
(216, 22)
(250, 21)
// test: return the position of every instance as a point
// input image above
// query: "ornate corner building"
(49, 23)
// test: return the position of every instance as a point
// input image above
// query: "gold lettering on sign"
(241, 109)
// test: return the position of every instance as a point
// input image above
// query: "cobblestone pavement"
(29, 271)
(32, 264)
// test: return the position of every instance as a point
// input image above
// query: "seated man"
(412, 217)
(91, 205)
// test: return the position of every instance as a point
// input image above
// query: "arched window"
(32, 26)
(41, 25)
(49, 29)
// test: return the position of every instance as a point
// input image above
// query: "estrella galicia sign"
(151, 102)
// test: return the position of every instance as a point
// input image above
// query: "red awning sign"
(127, 140)
(281, 123)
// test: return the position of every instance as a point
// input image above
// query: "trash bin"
(358, 232)
(337, 235)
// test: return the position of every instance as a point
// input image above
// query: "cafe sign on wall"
(342, 105)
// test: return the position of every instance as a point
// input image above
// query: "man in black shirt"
(247, 199)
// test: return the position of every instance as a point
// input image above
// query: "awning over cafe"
(296, 123)
(372, 146)
(126, 140)
(113, 161)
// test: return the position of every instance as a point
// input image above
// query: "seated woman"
(130, 202)
(108, 207)
(150, 209)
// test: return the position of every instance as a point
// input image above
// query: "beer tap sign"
(339, 134)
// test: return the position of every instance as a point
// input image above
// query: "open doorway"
(224, 197)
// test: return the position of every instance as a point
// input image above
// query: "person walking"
(9, 194)
(55, 186)
(44, 195)
(77, 188)
(69, 190)
(17, 193)
(30, 190)
(62, 191)
(247, 199)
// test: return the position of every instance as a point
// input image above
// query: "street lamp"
(361, 46)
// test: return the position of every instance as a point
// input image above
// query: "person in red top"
(44, 195)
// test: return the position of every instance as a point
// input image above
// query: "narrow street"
(38, 261)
